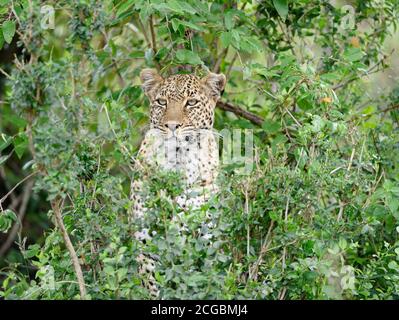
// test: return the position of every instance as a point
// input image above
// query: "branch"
(113, 64)
(78, 270)
(240, 112)
(264, 248)
(153, 39)
(21, 213)
(393, 107)
(216, 68)
(5, 73)
(371, 70)
(16, 186)
(144, 33)
(231, 65)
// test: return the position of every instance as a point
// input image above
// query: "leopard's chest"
(196, 157)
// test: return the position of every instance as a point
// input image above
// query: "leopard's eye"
(192, 102)
(161, 102)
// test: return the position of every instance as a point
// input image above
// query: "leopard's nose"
(172, 126)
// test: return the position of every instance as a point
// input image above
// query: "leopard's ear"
(216, 83)
(150, 80)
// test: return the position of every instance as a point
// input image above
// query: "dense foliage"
(317, 218)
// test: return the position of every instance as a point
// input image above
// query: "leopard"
(180, 138)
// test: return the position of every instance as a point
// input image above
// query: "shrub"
(317, 218)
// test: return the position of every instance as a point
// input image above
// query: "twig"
(393, 107)
(368, 72)
(288, 39)
(55, 204)
(231, 65)
(291, 115)
(281, 294)
(216, 68)
(263, 250)
(5, 73)
(247, 214)
(287, 206)
(153, 39)
(240, 112)
(341, 210)
(21, 213)
(351, 160)
(372, 190)
(16, 186)
(114, 63)
(121, 145)
(144, 33)
(113, 131)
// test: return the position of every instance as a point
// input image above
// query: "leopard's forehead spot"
(180, 86)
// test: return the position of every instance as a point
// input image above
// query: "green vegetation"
(316, 219)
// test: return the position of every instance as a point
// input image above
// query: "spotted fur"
(180, 138)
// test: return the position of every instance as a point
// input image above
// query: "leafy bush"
(317, 218)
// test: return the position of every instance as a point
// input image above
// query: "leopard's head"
(182, 103)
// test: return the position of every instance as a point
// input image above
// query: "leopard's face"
(183, 103)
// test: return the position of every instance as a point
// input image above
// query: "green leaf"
(32, 251)
(13, 120)
(281, 7)
(7, 217)
(393, 204)
(124, 7)
(145, 13)
(8, 30)
(229, 19)
(393, 265)
(175, 24)
(179, 7)
(5, 141)
(137, 54)
(3, 159)
(187, 56)
(236, 39)
(305, 102)
(317, 124)
(251, 44)
(271, 126)
(20, 144)
(225, 39)
(330, 76)
(188, 8)
(191, 25)
(353, 54)
(109, 270)
(3, 10)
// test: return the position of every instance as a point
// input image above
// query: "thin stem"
(68, 243)
(153, 39)
(21, 213)
(16, 186)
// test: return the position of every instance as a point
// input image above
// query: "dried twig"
(264, 248)
(5, 73)
(55, 204)
(16, 186)
(21, 213)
